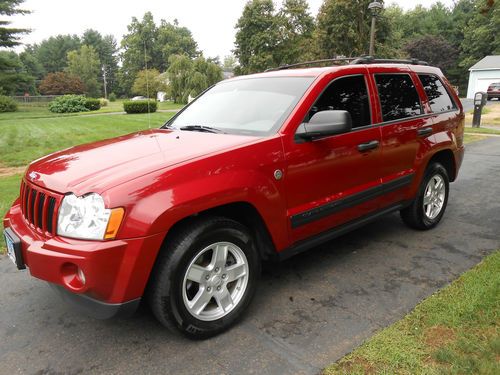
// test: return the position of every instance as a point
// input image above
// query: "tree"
(257, 37)
(433, 49)
(179, 72)
(106, 49)
(148, 83)
(9, 36)
(14, 80)
(147, 44)
(229, 64)
(206, 73)
(176, 40)
(85, 64)
(296, 27)
(343, 28)
(52, 53)
(188, 77)
(61, 83)
(481, 33)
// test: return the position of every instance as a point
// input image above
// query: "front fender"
(154, 203)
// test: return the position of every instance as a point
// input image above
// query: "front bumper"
(115, 272)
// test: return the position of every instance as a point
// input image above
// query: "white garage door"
(483, 83)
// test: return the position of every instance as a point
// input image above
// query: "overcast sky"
(211, 21)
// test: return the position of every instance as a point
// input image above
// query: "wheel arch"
(244, 213)
(447, 159)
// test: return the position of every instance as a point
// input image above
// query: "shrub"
(92, 104)
(139, 106)
(104, 102)
(112, 97)
(7, 104)
(68, 104)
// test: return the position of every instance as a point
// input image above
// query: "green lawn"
(482, 130)
(455, 331)
(32, 112)
(23, 140)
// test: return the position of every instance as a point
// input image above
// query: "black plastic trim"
(337, 232)
(330, 208)
(94, 308)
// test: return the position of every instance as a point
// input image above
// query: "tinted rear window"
(398, 96)
(438, 96)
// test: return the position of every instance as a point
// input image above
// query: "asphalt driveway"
(308, 312)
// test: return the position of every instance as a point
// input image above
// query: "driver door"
(333, 180)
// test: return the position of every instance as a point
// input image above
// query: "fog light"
(73, 277)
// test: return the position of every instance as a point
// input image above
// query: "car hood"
(98, 166)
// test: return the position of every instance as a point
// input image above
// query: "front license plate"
(10, 248)
(14, 248)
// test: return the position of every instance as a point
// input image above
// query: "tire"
(214, 302)
(418, 215)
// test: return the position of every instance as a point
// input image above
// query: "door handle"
(424, 131)
(362, 147)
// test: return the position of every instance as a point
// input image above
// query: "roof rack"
(351, 61)
(313, 62)
(372, 60)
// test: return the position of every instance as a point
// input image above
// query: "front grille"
(39, 208)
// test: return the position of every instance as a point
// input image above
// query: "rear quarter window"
(439, 98)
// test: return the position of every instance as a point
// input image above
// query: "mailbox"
(480, 98)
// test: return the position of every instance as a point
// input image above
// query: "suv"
(494, 91)
(257, 168)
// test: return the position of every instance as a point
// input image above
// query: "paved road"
(310, 311)
(468, 104)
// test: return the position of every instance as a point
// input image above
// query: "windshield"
(254, 106)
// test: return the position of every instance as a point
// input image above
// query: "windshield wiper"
(201, 128)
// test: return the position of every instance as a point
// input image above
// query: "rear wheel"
(429, 206)
(205, 277)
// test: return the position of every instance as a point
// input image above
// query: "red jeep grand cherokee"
(258, 167)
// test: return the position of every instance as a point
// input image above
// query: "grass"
(33, 112)
(482, 130)
(455, 331)
(469, 138)
(23, 140)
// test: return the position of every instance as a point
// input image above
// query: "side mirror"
(324, 124)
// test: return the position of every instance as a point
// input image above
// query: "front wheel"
(429, 206)
(205, 277)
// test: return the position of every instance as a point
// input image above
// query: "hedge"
(139, 106)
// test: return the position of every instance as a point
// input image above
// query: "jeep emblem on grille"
(33, 176)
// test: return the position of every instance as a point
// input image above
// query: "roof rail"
(314, 62)
(351, 61)
(372, 60)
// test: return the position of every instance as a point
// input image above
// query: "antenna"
(147, 83)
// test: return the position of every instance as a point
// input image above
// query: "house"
(482, 74)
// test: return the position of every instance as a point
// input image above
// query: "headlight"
(87, 218)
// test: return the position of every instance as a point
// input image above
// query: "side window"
(398, 96)
(348, 94)
(438, 96)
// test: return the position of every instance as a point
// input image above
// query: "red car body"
(161, 177)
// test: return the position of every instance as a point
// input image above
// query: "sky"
(211, 21)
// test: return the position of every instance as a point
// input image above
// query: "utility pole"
(105, 82)
(374, 7)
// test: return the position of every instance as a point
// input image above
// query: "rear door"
(404, 126)
(330, 181)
